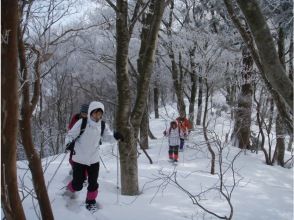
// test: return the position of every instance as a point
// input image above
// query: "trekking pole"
(57, 169)
(161, 143)
(160, 149)
(117, 172)
(183, 156)
(103, 164)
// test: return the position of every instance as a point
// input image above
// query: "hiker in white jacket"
(173, 134)
(86, 153)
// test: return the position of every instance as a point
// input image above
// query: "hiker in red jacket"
(185, 127)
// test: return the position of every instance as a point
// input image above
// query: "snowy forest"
(224, 65)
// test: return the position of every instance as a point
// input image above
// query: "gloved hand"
(118, 136)
(164, 133)
(70, 146)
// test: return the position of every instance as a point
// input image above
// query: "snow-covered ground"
(263, 192)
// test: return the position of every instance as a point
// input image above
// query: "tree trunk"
(156, 100)
(291, 77)
(270, 123)
(280, 129)
(290, 144)
(193, 77)
(11, 203)
(128, 148)
(27, 108)
(241, 134)
(146, 59)
(291, 54)
(212, 168)
(274, 71)
(144, 130)
(280, 145)
(177, 78)
(200, 94)
(248, 40)
(260, 119)
(130, 126)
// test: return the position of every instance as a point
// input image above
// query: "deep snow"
(264, 192)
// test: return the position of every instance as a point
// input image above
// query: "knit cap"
(84, 108)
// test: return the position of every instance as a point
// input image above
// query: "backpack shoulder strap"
(83, 126)
(102, 127)
(102, 131)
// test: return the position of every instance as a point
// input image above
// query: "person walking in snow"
(185, 127)
(173, 134)
(86, 153)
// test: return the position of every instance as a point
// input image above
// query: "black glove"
(70, 146)
(118, 136)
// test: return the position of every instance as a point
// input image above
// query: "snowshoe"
(67, 193)
(93, 207)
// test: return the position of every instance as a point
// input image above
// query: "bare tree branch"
(112, 5)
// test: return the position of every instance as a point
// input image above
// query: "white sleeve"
(73, 132)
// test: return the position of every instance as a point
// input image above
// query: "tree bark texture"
(156, 100)
(212, 167)
(273, 69)
(193, 77)
(146, 59)
(11, 203)
(280, 128)
(177, 78)
(144, 130)
(291, 55)
(200, 94)
(128, 148)
(248, 40)
(127, 121)
(260, 121)
(280, 145)
(241, 134)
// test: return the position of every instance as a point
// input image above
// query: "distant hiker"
(86, 153)
(83, 114)
(173, 134)
(185, 127)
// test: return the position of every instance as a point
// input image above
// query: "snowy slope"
(264, 192)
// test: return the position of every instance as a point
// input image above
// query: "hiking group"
(83, 140)
(84, 137)
(177, 133)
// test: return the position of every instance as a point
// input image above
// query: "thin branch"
(112, 5)
(137, 14)
(53, 42)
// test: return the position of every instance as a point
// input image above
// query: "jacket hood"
(95, 105)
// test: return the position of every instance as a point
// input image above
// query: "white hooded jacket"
(173, 135)
(87, 145)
